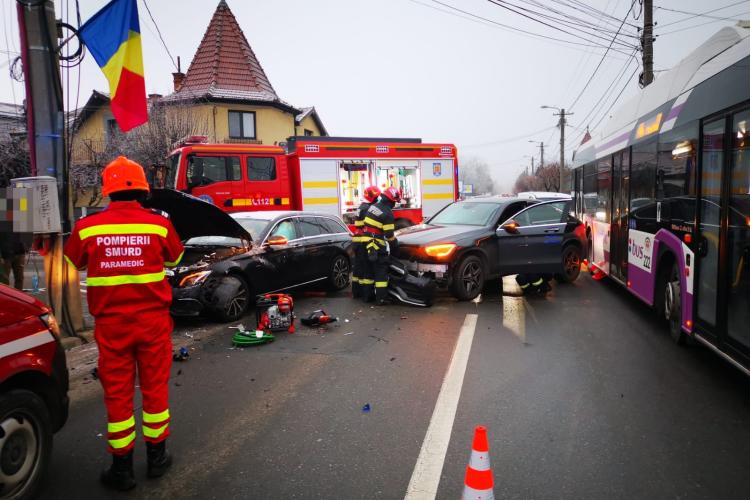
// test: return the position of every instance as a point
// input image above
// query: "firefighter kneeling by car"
(379, 228)
(361, 281)
(125, 249)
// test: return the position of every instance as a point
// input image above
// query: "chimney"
(178, 77)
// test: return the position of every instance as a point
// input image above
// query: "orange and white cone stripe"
(478, 484)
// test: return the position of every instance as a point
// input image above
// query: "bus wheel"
(673, 306)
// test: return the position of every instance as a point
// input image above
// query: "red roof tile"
(225, 65)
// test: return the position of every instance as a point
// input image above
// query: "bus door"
(619, 228)
(722, 292)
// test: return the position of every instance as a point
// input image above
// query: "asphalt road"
(582, 392)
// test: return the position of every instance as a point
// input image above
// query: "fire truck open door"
(355, 177)
(320, 185)
(438, 185)
(403, 175)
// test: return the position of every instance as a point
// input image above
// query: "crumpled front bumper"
(186, 301)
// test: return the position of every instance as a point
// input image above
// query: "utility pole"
(46, 137)
(647, 43)
(541, 151)
(562, 114)
(532, 165)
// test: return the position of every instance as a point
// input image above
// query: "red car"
(33, 391)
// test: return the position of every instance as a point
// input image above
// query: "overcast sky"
(412, 68)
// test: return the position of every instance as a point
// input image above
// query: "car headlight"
(51, 322)
(440, 251)
(194, 278)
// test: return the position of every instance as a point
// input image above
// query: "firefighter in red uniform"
(125, 249)
(361, 280)
(379, 227)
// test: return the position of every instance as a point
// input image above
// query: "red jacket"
(125, 249)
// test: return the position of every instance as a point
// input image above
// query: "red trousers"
(142, 343)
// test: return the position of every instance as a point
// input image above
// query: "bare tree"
(477, 173)
(148, 144)
(14, 161)
(546, 178)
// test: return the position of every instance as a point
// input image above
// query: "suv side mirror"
(510, 227)
(277, 241)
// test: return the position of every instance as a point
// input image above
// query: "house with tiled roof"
(225, 94)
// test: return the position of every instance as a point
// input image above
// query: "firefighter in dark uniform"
(360, 279)
(534, 283)
(379, 227)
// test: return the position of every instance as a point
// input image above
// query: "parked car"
(543, 195)
(472, 241)
(229, 259)
(33, 391)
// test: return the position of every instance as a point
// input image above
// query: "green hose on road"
(250, 338)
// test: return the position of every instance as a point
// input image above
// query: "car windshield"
(466, 213)
(254, 226)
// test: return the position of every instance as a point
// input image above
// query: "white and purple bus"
(664, 191)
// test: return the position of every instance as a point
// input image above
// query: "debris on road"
(182, 355)
(349, 333)
(318, 318)
(366, 408)
(95, 373)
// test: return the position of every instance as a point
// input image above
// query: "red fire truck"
(325, 174)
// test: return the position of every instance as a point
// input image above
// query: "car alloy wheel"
(238, 293)
(472, 277)
(339, 278)
(571, 263)
(468, 278)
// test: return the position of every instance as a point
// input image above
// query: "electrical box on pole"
(46, 137)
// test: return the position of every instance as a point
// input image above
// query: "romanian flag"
(113, 36)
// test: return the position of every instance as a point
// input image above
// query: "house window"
(242, 124)
(112, 129)
(308, 133)
(261, 169)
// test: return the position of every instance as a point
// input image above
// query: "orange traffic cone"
(478, 483)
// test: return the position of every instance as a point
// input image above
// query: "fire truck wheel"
(338, 277)
(25, 443)
(235, 294)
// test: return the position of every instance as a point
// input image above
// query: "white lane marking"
(25, 343)
(514, 308)
(426, 476)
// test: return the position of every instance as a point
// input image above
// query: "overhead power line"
(509, 140)
(693, 15)
(591, 44)
(591, 78)
(160, 35)
(734, 17)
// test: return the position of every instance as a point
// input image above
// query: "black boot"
(159, 458)
(120, 475)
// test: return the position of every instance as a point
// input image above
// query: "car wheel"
(25, 443)
(672, 304)
(468, 278)
(235, 293)
(571, 264)
(340, 274)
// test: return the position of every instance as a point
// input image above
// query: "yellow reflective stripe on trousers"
(176, 261)
(122, 442)
(121, 426)
(154, 433)
(110, 229)
(381, 284)
(538, 282)
(363, 281)
(155, 418)
(389, 227)
(125, 279)
(355, 279)
(372, 222)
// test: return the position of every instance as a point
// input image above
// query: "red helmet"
(392, 194)
(372, 193)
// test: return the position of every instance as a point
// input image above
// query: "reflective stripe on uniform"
(176, 261)
(359, 223)
(122, 442)
(121, 426)
(360, 239)
(381, 284)
(109, 229)
(125, 279)
(355, 279)
(538, 282)
(154, 433)
(372, 222)
(364, 281)
(389, 227)
(69, 262)
(155, 418)
(525, 285)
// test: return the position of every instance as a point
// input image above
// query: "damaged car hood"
(193, 217)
